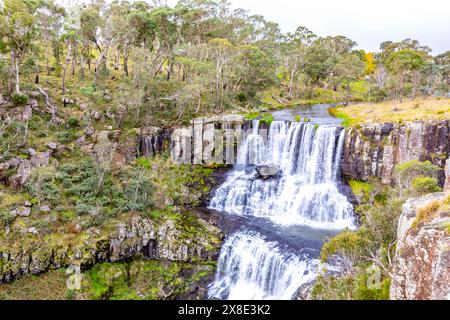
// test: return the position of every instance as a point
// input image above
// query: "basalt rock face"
(373, 150)
(206, 140)
(136, 236)
(421, 268)
(152, 141)
(447, 176)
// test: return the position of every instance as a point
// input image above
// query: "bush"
(88, 90)
(138, 190)
(42, 185)
(406, 172)
(6, 218)
(19, 99)
(423, 185)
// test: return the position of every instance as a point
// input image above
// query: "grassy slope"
(394, 111)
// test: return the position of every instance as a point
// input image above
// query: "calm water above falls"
(280, 223)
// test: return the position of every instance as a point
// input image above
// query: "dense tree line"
(199, 56)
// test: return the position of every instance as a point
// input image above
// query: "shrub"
(73, 122)
(88, 90)
(406, 172)
(42, 185)
(6, 218)
(267, 119)
(423, 185)
(19, 99)
(138, 189)
(348, 245)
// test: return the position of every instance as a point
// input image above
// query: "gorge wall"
(373, 150)
(128, 237)
(370, 150)
(421, 268)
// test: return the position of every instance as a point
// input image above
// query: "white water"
(260, 270)
(305, 193)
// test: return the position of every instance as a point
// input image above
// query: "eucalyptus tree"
(17, 30)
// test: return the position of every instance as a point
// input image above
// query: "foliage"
(423, 184)
(416, 175)
(6, 218)
(42, 186)
(19, 99)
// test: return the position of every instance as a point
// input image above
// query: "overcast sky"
(368, 22)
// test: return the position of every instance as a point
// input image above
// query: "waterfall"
(305, 192)
(252, 268)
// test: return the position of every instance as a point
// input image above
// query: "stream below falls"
(275, 227)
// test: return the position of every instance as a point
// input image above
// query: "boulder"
(44, 209)
(89, 131)
(96, 115)
(34, 104)
(32, 152)
(52, 145)
(83, 107)
(23, 211)
(267, 172)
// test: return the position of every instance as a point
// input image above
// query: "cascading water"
(305, 192)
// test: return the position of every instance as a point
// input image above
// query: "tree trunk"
(65, 65)
(17, 74)
(125, 63)
(81, 66)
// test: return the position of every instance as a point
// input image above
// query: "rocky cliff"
(129, 237)
(422, 260)
(373, 150)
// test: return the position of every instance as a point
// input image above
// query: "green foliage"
(141, 280)
(88, 90)
(419, 177)
(353, 287)
(138, 189)
(423, 185)
(42, 186)
(80, 182)
(349, 244)
(252, 115)
(267, 119)
(19, 99)
(6, 218)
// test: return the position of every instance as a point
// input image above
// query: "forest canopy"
(197, 57)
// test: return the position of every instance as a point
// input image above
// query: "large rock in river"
(267, 172)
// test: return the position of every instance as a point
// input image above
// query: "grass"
(394, 111)
(428, 212)
(49, 286)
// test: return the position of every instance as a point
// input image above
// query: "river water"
(276, 227)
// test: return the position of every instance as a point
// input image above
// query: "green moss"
(360, 189)
(267, 119)
(252, 115)
(142, 279)
(338, 112)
